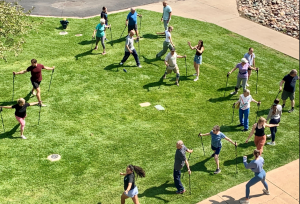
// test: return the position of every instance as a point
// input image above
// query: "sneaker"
(244, 130)
(291, 110)
(181, 192)
(213, 155)
(164, 76)
(178, 192)
(244, 201)
(140, 66)
(217, 171)
(121, 63)
(283, 105)
(233, 93)
(177, 83)
(240, 125)
(271, 143)
(268, 136)
(23, 137)
(96, 48)
(266, 191)
(196, 79)
(33, 93)
(195, 74)
(106, 39)
(247, 84)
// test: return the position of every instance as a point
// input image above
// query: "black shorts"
(249, 69)
(35, 84)
(132, 27)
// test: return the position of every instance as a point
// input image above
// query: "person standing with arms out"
(131, 22)
(244, 108)
(20, 113)
(100, 34)
(243, 74)
(274, 114)
(171, 64)
(216, 144)
(250, 56)
(168, 43)
(130, 189)
(129, 49)
(198, 57)
(256, 166)
(64, 23)
(36, 77)
(260, 136)
(166, 16)
(180, 160)
(104, 16)
(289, 82)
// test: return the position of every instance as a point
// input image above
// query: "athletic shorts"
(35, 84)
(198, 59)
(132, 192)
(249, 69)
(132, 27)
(218, 149)
(286, 94)
(170, 69)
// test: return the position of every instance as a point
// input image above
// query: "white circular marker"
(78, 35)
(63, 33)
(54, 157)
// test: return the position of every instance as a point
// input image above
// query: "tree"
(14, 23)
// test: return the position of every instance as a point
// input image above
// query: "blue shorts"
(132, 192)
(218, 149)
(198, 59)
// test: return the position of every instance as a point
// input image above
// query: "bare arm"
(166, 63)
(189, 43)
(201, 50)
(229, 140)
(8, 107)
(188, 166)
(204, 134)
(21, 72)
(94, 33)
(232, 71)
(179, 56)
(271, 125)
(34, 103)
(253, 62)
(171, 41)
(49, 68)
(169, 16)
(258, 102)
(280, 85)
(251, 133)
(253, 68)
(128, 187)
(190, 151)
(126, 23)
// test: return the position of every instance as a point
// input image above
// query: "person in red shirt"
(36, 77)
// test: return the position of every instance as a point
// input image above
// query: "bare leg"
(217, 160)
(38, 94)
(123, 197)
(249, 74)
(135, 200)
(292, 103)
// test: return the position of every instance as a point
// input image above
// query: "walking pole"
(13, 87)
(51, 79)
(256, 80)
(185, 67)
(186, 167)
(277, 95)
(201, 142)
(40, 113)
(2, 119)
(140, 24)
(123, 31)
(190, 183)
(226, 85)
(233, 107)
(257, 111)
(235, 159)
(139, 47)
(112, 44)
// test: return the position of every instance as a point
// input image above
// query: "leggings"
(274, 129)
(261, 176)
(21, 121)
(102, 41)
(238, 82)
(259, 142)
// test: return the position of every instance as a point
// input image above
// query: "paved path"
(224, 13)
(283, 185)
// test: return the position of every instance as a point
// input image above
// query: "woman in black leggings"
(274, 114)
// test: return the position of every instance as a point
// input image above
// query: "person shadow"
(156, 191)
(10, 133)
(231, 200)
(222, 98)
(150, 61)
(151, 36)
(238, 160)
(89, 52)
(156, 83)
(200, 166)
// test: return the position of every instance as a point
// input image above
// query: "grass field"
(94, 121)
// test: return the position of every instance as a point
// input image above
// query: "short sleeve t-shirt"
(171, 59)
(36, 72)
(100, 30)
(168, 36)
(166, 12)
(290, 83)
(245, 101)
(243, 70)
(21, 110)
(129, 42)
(180, 158)
(250, 58)
(104, 15)
(132, 18)
(216, 139)
(129, 178)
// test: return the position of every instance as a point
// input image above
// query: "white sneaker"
(244, 201)
(271, 143)
(268, 136)
(195, 74)
(247, 84)
(23, 137)
(140, 66)
(266, 192)
(196, 79)
(233, 93)
(121, 63)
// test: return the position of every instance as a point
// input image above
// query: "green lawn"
(94, 121)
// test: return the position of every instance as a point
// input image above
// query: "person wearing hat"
(170, 62)
(242, 75)
(64, 23)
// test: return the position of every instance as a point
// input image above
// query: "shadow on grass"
(227, 89)
(151, 36)
(116, 65)
(87, 42)
(239, 160)
(155, 191)
(89, 52)
(157, 83)
(231, 128)
(150, 61)
(246, 145)
(27, 97)
(221, 99)
(59, 28)
(200, 166)
(10, 133)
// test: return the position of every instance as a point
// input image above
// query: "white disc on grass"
(78, 35)
(63, 33)
(54, 157)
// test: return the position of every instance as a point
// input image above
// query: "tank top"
(198, 53)
(259, 132)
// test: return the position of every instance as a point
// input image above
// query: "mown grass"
(94, 121)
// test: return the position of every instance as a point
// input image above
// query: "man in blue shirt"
(131, 21)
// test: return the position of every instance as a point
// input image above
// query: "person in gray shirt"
(129, 49)
(256, 166)
(180, 160)
(274, 114)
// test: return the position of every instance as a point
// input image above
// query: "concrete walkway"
(224, 13)
(283, 185)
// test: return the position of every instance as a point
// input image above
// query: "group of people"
(243, 104)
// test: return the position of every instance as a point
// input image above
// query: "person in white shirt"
(250, 56)
(274, 114)
(168, 43)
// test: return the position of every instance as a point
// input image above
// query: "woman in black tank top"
(260, 136)
(198, 57)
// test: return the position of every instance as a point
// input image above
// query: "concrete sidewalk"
(283, 185)
(224, 13)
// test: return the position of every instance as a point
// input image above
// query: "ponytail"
(256, 153)
(274, 107)
(138, 170)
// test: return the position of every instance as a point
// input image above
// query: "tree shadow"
(239, 160)
(220, 99)
(200, 166)
(151, 36)
(89, 52)
(155, 191)
(10, 133)
(231, 128)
